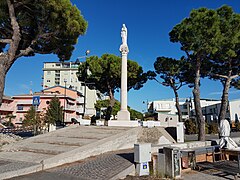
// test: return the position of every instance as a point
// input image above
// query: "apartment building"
(71, 100)
(233, 111)
(65, 74)
(6, 107)
(168, 106)
(210, 108)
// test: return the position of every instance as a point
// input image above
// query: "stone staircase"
(71, 144)
(57, 142)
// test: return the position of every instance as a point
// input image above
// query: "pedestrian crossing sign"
(36, 100)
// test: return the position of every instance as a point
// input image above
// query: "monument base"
(123, 115)
(125, 123)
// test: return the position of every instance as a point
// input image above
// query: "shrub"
(213, 128)
(207, 130)
(237, 126)
(191, 127)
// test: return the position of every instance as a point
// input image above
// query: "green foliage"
(30, 117)
(9, 122)
(207, 130)
(191, 126)
(106, 74)
(105, 103)
(213, 128)
(174, 74)
(55, 111)
(237, 126)
(135, 114)
(34, 119)
(236, 83)
(211, 41)
(45, 26)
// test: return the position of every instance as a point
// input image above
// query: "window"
(48, 72)
(58, 64)
(20, 107)
(48, 80)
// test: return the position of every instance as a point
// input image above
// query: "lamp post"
(146, 105)
(64, 105)
(85, 86)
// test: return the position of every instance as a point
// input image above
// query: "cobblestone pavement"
(207, 175)
(101, 167)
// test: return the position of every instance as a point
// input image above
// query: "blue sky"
(148, 23)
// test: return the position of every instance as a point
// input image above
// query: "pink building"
(6, 108)
(71, 100)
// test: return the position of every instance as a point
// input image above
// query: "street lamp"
(146, 104)
(85, 86)
(64, 105)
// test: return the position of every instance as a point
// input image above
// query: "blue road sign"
(36, 100)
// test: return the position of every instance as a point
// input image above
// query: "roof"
(62, 87)
(7, 97)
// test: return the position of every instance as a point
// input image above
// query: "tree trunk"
(198, 109)
(224, 100)
(111, 104)
(177, 104)
(3, 60)
(7, 59)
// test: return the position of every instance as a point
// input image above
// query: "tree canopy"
(28, 27)
(105, 103)
(173, 73)
(104, 73)
(210, 38)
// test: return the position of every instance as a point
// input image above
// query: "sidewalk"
(112, 165)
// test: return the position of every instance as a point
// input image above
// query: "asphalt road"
(194, 137)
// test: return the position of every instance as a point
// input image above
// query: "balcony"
(79, 110)
(6, 108)
(163, 109)
(70, 108)
(80, 100)
(28, 102)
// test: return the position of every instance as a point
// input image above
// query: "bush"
(213, 128)
(191, 126)
(237, 126)
(207, 128)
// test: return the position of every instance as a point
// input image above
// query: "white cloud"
(220, 92)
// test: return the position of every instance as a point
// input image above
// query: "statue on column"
(124, 47)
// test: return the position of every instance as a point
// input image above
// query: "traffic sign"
(36, 100)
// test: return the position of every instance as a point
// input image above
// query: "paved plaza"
(80, 152)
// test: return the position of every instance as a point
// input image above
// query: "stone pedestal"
(125, 123)
(123, 115)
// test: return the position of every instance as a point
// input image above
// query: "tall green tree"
(198, 36)
(173, 74)
(226, 58)
(105, 103)
(106, 75)
(54, 112)
(34, 119)
(28, 27)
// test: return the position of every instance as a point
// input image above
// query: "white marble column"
(123, 114)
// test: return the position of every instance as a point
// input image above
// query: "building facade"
(71, 100)
(65, 74)
(210, 109)
(7, 107)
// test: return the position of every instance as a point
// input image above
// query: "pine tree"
(30, 117)
(55, 111)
